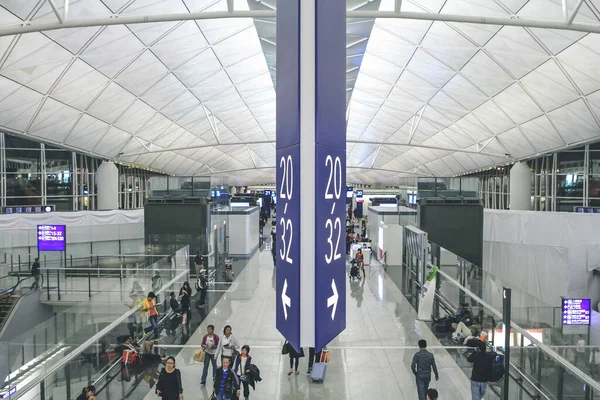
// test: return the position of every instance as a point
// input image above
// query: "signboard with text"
(330, 246)
(576, 311)
(51, 237)
(330, 172)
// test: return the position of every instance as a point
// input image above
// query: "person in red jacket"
(210, 344)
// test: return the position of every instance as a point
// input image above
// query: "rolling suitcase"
(318, 372)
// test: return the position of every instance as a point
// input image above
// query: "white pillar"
(107, 182)
(520, 187)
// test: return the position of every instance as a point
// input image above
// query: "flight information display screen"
(51, 237)
(576, 311)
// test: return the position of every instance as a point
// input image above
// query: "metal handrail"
(90, 341)
(546, 349)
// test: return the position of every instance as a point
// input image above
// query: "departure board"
(51, 237)
(576, 311)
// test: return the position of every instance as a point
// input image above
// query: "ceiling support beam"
(421, 146)
(66, 10)
(565, 9)
(397, 6)
(481, 20)
(84, 22)
(58, 16)
(230, 6)
(251, 156)
(415, 123)
(575, 11)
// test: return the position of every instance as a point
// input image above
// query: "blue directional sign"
(576, 311)
(287, 244)
(321, 166)
(330, 247)
(330, 171)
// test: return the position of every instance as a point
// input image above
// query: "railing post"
(89, 283)
(506, 308)
(34, 345)
(19, 259)
(58, 281)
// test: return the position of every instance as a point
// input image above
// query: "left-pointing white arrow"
(285, 299)
(333, 300)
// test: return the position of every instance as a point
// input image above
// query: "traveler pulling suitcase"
(318, 372)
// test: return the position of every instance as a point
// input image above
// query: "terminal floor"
(371, 358)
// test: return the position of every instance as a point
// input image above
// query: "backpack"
(497, 368)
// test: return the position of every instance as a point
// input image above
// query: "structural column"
(520, 187)
(311, 171)
(107, 182)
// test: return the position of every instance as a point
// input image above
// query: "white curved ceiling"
(197, 97)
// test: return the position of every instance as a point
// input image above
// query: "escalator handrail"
(77, 351)
(547, 350)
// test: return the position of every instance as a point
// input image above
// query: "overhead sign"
(287, 244)
(330, 172)
(576, 311)
(267, 193)
(311, 162)
(359, 194)
(27, 209)
(51, 237)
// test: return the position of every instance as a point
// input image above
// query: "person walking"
(226, 383)
(294, 358)
(422, 364)
(227, 345)
(210, 344)
(35, 272)
(185, 294)
(313, 357)
(87, 393)
(482, 365)
(202, 287)
(199, 262)
(169, 385)
(242, 367)
(580, 350)
(149, 305)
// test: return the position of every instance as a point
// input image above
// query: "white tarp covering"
(75, 218)
(540, 255)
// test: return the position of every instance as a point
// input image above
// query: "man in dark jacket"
(422, 364)
(226, 383)
(35, 271)
(482, 364)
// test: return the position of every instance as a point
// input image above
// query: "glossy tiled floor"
(370, 359)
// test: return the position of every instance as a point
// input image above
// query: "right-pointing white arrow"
(333, 300)
(285, 299)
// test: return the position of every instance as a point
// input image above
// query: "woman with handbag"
(242, 367)
(169, 385)
(227, 345)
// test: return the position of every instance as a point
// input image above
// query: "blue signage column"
(311, 171)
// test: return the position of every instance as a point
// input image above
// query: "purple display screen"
(51, 237)
(576, 311)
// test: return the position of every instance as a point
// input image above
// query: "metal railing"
(545, 350)
(72, 354)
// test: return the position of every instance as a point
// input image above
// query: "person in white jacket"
(227, 345)
(594, 362)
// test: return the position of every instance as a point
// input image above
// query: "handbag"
(325, 355)
(285, 349)
(199, 355)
